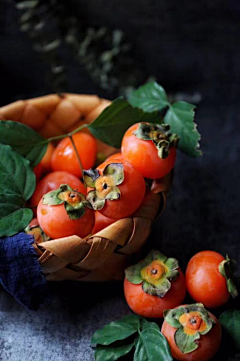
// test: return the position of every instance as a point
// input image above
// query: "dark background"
(189, 47)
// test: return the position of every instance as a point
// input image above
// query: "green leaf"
(17, 184)
(151, 345)
(17, 178)
(230, 321)
(113, 122)
(109, 353)
(149, 97)
(186, 343)
(24, 140)
(15, 222)
(116, 330)
(146, 325)
(180, 117)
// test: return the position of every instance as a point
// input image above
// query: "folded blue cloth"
(20, 272)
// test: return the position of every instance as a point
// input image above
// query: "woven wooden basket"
(102, 256)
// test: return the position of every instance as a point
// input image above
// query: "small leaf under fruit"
(151, 345)
(116, 330)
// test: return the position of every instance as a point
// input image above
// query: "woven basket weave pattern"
(105, 255)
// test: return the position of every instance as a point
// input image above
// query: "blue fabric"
(20, 272)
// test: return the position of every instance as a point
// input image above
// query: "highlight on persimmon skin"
(132, 192)
(208, 344)
(53, 181)
(56, 223)
(143, 155)
(205, 283)
(64, 156)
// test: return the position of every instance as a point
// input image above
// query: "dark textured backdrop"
(189, 46)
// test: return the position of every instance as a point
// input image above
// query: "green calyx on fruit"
(74, 202)
(160, 135)
(105, 186)
(155, 273)
(191, 321)
(227, 269)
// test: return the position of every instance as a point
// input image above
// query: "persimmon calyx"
(160, 135)
(155, 273)
(105, 186)
(227, 269)
(74, 202)
(190, 321)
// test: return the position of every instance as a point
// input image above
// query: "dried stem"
(78, 157)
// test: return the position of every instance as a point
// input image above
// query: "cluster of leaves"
(17, 181)
(133, 337)
(131, 334)
(151, 98)
(104, 53)
(149, 103)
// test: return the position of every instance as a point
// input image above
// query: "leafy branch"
(105, 54)
(179, 115)
(119, 338)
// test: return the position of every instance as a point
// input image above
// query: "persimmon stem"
(78, 157)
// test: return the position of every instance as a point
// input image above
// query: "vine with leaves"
(54, 27)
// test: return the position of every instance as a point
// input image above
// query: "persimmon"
(193, 333)
(101, 222)
(150, 149)
(65, 212)
(153, 285)
(209, 278)
(65, 158)
(46, 160)
(115, 156)
(53, 181)
(38, 170)
(115, 189)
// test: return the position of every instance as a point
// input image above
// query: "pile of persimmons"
(72, 197)
(85, 200)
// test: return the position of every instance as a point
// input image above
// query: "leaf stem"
(78, 157)
(68, 134)
(78, 129)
